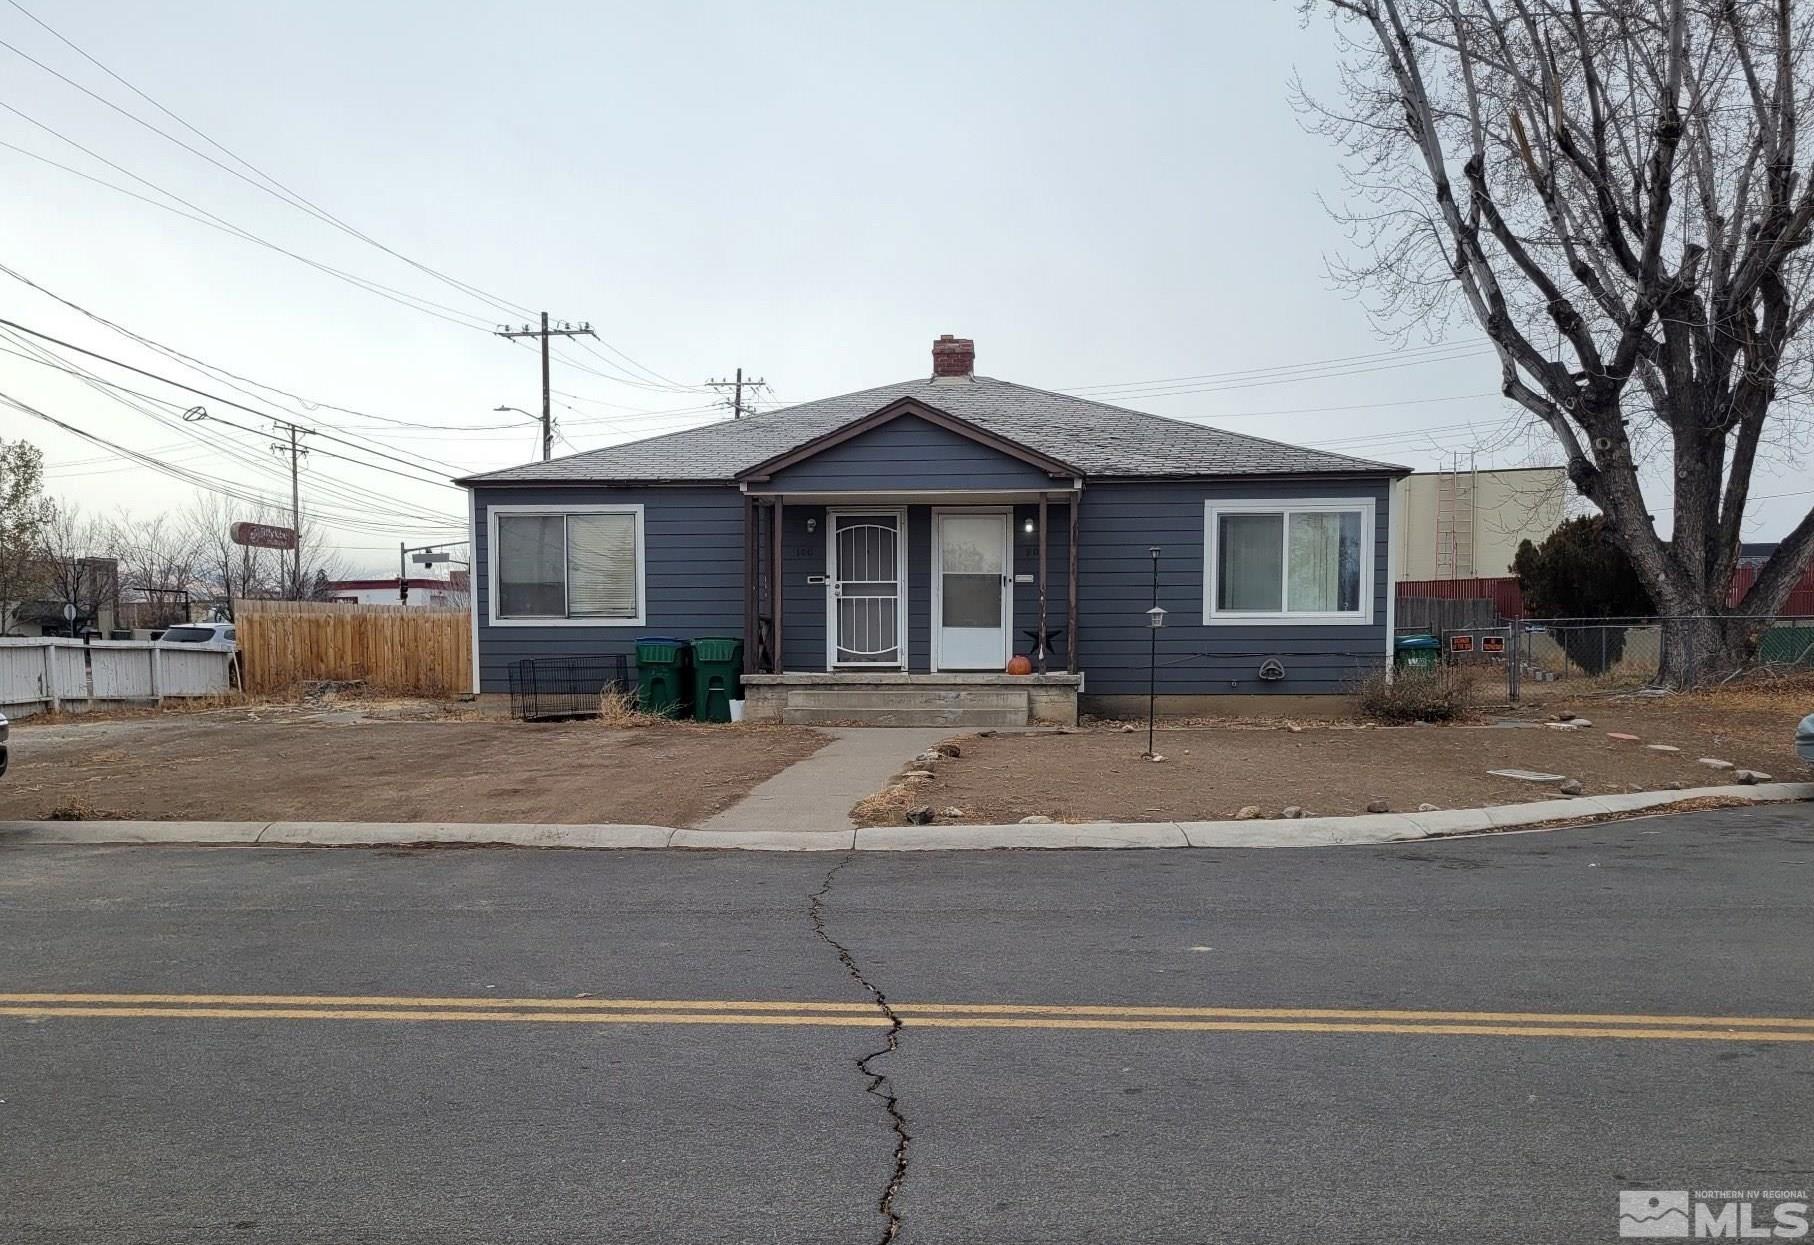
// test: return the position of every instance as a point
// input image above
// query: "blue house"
(885, 554)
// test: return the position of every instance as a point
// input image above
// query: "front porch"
(846, 698)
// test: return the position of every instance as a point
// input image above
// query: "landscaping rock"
(917, 775)
(1036, 819)
(1151, 756)
(1248, 812)
(930, 757)
(1563, 726)
(1621, 735)
(1565, 716)
(985, 734)
(1378, 806)
(921, 816)
(1291, 811)
(1128, 728)
(1428, 808)
(1572, 787)
(1662, 747)
(946, 750)
(1750, 777)
(951, 812)
(1527, 775)
(1714, 763)
(1675, 786)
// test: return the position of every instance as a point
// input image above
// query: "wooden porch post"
(750, 627)
(774, 582)
(1070, 639)
(1041, 643)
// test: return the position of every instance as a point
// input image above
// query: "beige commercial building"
(1467, 524)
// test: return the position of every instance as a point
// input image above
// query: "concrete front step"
(1007, 698)
(855, 715)
(906, 706)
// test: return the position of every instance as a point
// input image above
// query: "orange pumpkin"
(1020, 664)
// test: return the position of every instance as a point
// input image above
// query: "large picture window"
(575, 567)
(1288, 561)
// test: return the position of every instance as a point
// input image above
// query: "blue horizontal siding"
(694, 586)
(1118, 525)
(693, 577)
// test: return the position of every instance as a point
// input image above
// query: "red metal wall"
(1501, 590)
(1800, 602)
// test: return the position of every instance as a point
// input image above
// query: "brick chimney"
(953, 358)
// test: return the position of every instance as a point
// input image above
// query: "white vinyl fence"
(39, 675)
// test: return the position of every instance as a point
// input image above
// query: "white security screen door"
(973, 592)
(866, 589)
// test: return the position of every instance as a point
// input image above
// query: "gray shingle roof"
(1097, 439)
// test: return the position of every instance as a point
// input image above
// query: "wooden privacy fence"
(391, 648)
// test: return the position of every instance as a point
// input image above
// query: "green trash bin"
(717, 676)
(663, 676)
(1417, 652)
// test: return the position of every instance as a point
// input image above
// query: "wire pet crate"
(546, 689)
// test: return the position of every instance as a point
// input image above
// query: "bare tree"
(159, 562)
(228, 570)
(74, 568)
(24, 514)
(1616, 191)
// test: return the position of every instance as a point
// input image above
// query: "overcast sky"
(1101, 195)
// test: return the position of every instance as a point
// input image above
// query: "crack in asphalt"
(879, 1084)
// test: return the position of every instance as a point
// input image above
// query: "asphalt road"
(238, 1106)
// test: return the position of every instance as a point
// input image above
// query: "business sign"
(1461, 644)
(262, 536)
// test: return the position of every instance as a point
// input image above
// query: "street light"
(520, 411)
(1155, 619)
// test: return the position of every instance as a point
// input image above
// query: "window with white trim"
(1288, 561)
(554, 565)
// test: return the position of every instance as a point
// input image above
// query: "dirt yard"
(1212, 771)
(290, 763)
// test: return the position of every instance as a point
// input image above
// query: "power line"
(201, 480)
(368, 502)
(201, 215)
(95, 354)
(227, 376)
(270, 186)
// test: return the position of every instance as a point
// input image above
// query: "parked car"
(211, 634)
(1804, 739)
(6, 729)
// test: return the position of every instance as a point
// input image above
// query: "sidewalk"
(1307, 832)
(816, 794)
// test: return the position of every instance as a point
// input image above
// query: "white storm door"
(974, 591)
(865, 590)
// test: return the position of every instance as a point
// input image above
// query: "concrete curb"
(1305, 832)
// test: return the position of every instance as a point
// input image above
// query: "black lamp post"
(1155, 619)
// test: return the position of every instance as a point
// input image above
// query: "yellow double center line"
(912, 1015)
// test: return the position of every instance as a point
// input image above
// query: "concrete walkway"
(815, 795)
(1306, 832)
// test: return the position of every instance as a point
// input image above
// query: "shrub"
(1440, 695)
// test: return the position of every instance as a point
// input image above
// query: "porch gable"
(907, 446)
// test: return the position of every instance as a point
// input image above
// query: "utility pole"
(736, 387)
(565, 329)
(294, 449)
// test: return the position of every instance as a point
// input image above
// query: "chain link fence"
(1607, 652)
